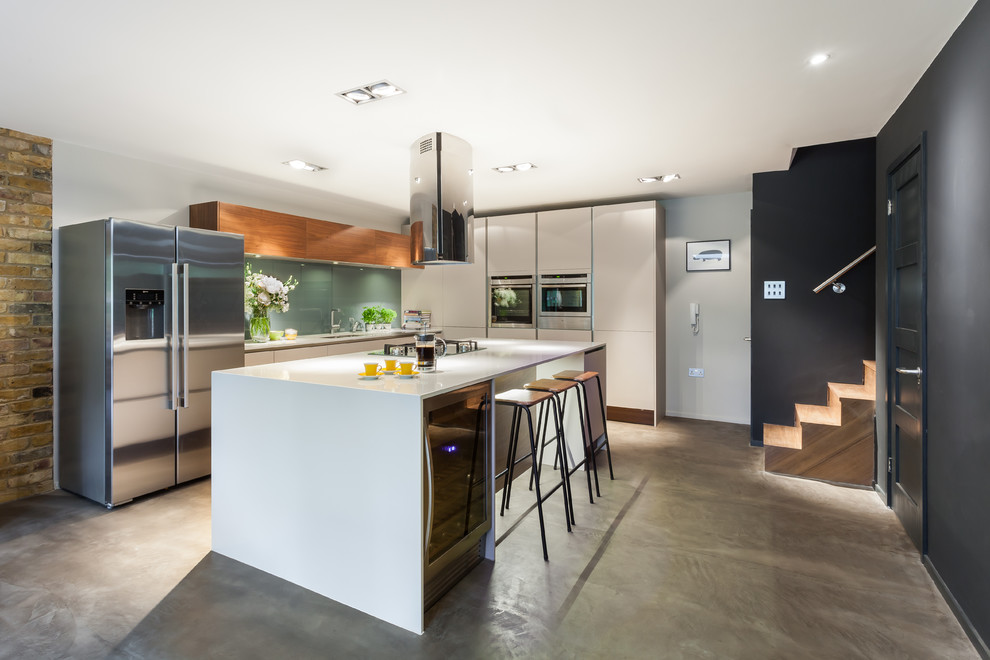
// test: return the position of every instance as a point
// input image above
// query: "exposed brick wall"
(25, 315)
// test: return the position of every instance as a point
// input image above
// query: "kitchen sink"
(345, 334)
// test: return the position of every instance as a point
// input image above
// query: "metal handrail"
(845, 270)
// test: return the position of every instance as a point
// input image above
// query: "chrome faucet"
(334, 327)
(354, 323)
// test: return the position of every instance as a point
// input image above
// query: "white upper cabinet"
(465, 287)
(512, 244)
(563, 241)
(625, 267)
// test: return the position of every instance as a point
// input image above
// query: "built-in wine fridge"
(455, 484)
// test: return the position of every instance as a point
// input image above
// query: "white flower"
(271, 285)
(264, 299)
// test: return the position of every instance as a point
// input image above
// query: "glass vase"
(259, 327)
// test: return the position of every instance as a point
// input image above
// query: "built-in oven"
(512, 301)
(565, 301)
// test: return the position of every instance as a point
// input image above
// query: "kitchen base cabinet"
(512, 333)
(631, 393)
(252, 358)
(303, 353)
(468, 333)
(564, 335)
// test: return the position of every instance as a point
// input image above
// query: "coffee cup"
(406, 368)
(390, 364)
(275, 335)
(370, 368)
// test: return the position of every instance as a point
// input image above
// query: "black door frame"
(919, 145)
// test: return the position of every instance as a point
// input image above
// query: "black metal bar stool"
(522, 401)
(581, 378)
(558, 388)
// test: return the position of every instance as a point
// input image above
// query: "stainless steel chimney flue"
(441, 206)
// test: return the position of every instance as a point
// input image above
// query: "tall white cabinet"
(511, 251)
(628, 306)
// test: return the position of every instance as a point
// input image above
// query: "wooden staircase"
(833, 442)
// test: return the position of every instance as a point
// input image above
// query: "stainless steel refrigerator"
(146, 313)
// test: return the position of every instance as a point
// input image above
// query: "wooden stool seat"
(528, 398)
(576, 376)
(550, 385)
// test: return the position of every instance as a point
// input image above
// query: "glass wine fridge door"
(456, 486)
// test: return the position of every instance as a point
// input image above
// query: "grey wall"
(951, 103)
(807, 223)
(724, 393)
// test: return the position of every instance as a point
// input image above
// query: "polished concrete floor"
(692, 552)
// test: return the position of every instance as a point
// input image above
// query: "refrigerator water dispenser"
(145, 315)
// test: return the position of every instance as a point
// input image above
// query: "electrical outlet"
(773, 290)
(696, 372)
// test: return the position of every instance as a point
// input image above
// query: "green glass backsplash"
(324, 287)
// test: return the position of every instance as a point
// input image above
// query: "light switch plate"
(773, 289)
(696, 372)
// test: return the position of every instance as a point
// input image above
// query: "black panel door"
(906, 360)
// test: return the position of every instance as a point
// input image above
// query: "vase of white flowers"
(264, 294)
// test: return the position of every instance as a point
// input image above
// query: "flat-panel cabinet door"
(302, 353)
(563, 240)
(512, 333)
(465, 287)
(625, 267)
(512, 244)
(631, 366)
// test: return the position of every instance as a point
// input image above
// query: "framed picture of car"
(708, 255)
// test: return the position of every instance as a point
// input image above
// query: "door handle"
(184, 401)
(909, 372)
(173, 401)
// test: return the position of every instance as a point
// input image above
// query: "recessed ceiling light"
(519, 167)
(371, 92)
(297, 164)
(659, 178)
(819, 58)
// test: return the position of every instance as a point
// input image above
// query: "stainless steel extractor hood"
(441, 206)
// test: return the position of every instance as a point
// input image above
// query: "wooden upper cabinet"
(275, 234)
(265, 232)
(332, 241)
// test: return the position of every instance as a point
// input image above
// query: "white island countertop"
(500, 356)
(319, 476)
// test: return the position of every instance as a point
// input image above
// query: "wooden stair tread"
(853, 391)
(807, 413)
(775, 435)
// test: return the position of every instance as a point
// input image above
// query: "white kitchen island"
(318, 475)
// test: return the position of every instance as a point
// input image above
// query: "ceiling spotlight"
(522, 167)
(371, 92)
(504, 169)
(297, 164)
(819, 58)
(659, 178)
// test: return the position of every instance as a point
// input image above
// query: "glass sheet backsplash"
(323, 287)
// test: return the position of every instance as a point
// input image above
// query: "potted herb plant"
(370, 316)
(387, 316)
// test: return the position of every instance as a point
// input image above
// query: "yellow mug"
(390, 364)
(405, 368)
(370, 368)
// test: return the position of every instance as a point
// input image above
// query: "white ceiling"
(595, 92)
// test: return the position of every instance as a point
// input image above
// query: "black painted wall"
(951, 103)
(807, 223)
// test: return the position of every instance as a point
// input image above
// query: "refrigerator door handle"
(185, 336)
(173, 398)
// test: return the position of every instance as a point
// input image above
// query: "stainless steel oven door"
(511, 302)
(565, 295)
